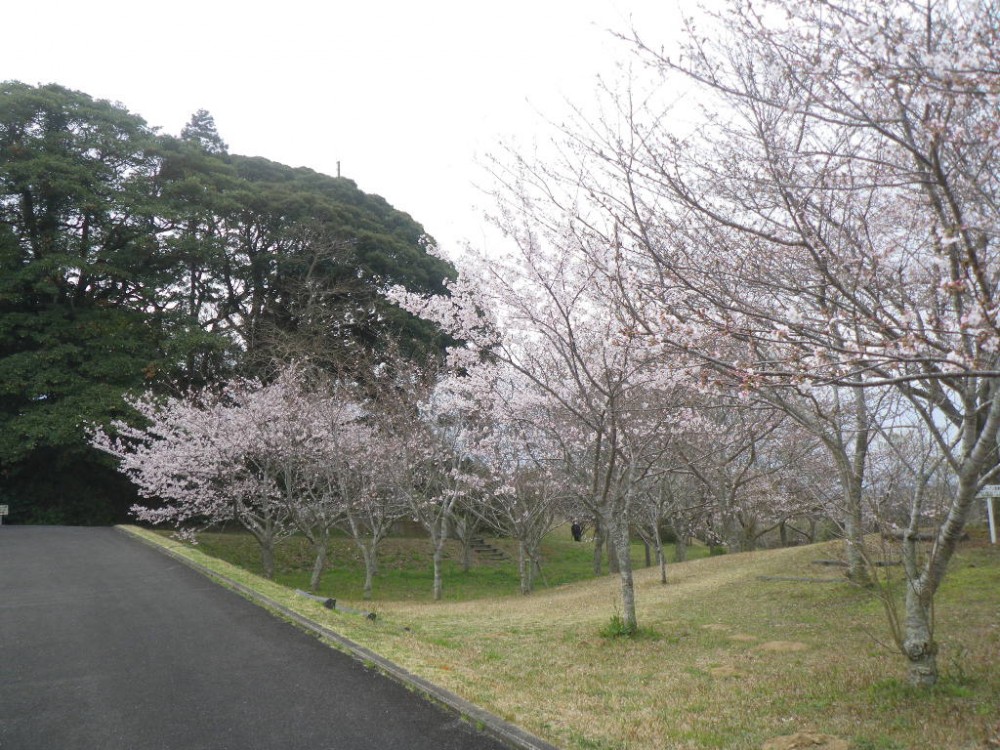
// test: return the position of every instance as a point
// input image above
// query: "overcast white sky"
(408, 96)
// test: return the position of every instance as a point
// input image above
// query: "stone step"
(487, 551)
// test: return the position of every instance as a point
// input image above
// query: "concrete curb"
(494, 726)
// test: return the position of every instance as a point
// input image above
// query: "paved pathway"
(106, 643)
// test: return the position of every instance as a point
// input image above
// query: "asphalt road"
(105, 643)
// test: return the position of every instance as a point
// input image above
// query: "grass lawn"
(405, 569)
(723, 660)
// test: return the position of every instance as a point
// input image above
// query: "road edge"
(488, 723)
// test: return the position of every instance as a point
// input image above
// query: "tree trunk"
(466, 555)
(661, 558)
(524, 568)
(649, 557)
(732, 533)
(535, 568)
(681, 548)
(748, 536)
(438, 543)
(465, 530)
(614, 551)
(322, 546)
(851, 518)
(854, 540)
(918, 644)
(620, 533)
(599, 535)
(857, 569)
(264, 534)
(267, 557)
(371, 568)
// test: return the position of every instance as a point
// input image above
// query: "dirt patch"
(742, 638)
(715, 626)
(806, 741)
(783, 646)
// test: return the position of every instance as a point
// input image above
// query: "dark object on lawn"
(332, 604)
(326, 602)
(842, 564)
(577, 530)
(922, 536)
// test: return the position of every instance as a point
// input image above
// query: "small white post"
(993, 525)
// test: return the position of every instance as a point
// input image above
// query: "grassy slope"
(725, 660)
(405, 570)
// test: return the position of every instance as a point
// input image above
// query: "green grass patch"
(406, 572)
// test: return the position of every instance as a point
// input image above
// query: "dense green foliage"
(132, 259)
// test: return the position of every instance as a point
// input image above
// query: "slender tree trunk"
(322, 547)
(620, 532)
(371, 568)
(438, 540)
(599, 535)
(465, 531)
(466, 557)
(536, 567)
(917, 638)
(978, 453)
(524, 568)
(368, 549)
(748, 536)
(919, 645)
(854, 538)
(661, 558)
(857, 569)
(649, 557)
(731, 532)
(614, 552)
(851, 518)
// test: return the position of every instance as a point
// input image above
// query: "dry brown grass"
(724, 660)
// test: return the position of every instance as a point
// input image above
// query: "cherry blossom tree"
(821, 232)
(685, 506)
(321, 444)
(834, 213)
(736, 461)
(366, 460)
(527, 488)
(669, 500)
(285, 456)
(552, 326)
(206, 458)
(435, 428)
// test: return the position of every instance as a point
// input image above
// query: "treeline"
(135, 260)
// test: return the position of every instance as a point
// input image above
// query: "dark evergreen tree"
(315, 250)
(201, 130)
(130, 259)
(80, 269)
